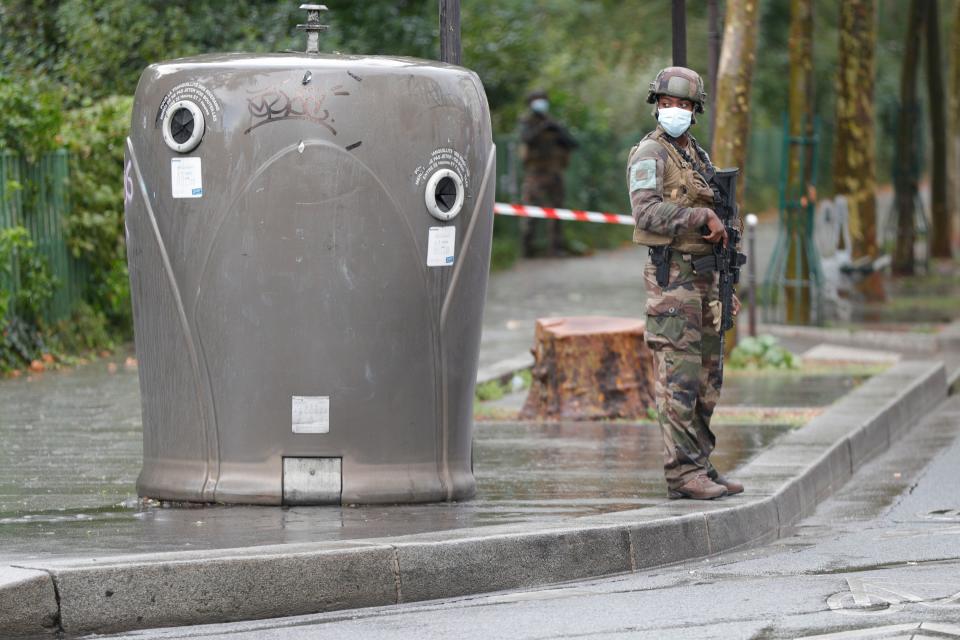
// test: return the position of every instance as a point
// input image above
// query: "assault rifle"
(725, 260)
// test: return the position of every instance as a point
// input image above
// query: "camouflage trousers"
(687, 351)
(542, 236)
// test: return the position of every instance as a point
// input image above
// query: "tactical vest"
(683, 186)
(547, 153)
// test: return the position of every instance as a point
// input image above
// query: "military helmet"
(536, 94)
(678, 82)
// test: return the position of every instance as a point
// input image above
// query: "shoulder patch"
(643, 174)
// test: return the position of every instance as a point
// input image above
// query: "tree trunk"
(799, 189)
(955, 125)
(734, 78)
(732, 106)
(939, 214)
(855, 157)
(590, 368)
(907, 156)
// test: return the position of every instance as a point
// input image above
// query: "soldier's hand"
(736, 305)
(717, 231)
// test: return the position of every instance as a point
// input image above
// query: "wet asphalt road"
(881, 559)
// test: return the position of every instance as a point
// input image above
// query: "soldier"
(673, 208)
(545, 152)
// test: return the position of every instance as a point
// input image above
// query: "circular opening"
(181, 125)
(446, 193)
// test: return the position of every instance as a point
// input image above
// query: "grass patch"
(734, 416)
(850, 369)
(762, 352)
(490, 390)
(496, 389)
(931, 302)
(486, 413)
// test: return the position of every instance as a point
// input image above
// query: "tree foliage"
(31, 115)
(94, 136)
(64, 66)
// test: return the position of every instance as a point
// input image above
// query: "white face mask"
(539, 105)
(674, 120)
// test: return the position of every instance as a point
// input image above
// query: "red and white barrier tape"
(526, 211)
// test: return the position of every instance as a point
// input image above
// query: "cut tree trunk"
(590, 368)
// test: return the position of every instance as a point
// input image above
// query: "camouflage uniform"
(545, 152)
(670, 203)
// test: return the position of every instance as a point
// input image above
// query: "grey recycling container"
(308, 239)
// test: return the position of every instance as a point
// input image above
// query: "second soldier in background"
(672, 205)
(545, 147)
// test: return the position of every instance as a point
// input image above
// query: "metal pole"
(679, 14)
(450, 50)
(713, 54)
(751, 220)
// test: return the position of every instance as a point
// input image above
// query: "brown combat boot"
(700, 488)
(733, 487)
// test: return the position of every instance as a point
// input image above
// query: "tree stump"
(590, 368)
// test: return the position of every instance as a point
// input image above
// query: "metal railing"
(35, 195)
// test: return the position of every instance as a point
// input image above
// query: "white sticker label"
(311, 414)
(185, 178)
(440, 246)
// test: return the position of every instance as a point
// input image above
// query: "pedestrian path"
(607, 283)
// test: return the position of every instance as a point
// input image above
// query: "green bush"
(85, 330)
(35, 284)
(94, 135)
(490, 390)
(21, 307)
(31, 116)
(762, 352)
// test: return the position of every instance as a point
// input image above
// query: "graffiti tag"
(275, 105)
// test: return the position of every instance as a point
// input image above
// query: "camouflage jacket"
(545, 144)
(668, 198)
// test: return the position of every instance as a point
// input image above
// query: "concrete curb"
(785, 483)
(504, 369)
(28, 602)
